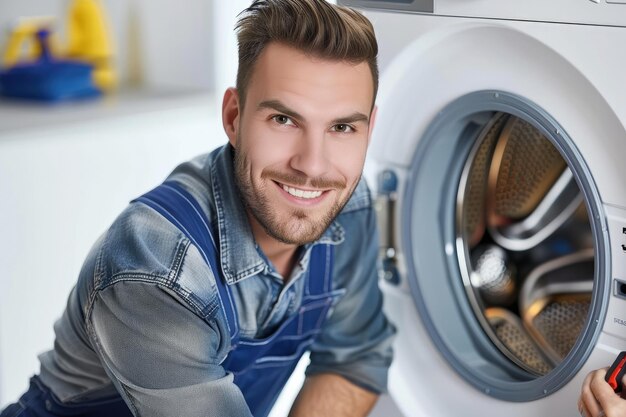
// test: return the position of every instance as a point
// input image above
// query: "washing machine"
(500, 158)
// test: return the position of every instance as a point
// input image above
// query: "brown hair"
(314, 27)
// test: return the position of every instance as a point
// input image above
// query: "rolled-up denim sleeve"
(356, 339)
(162, 358)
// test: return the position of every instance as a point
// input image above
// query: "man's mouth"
(304, 194)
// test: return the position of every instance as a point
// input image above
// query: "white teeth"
(302, 193)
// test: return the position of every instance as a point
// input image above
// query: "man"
(204, 293)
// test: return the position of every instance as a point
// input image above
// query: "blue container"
(48, 79)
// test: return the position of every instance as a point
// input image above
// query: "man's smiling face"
(300, 141)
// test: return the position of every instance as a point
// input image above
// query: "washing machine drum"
(501, 249)
(496, 260)
(526, 235)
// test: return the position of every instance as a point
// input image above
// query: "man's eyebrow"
(353, 118)
(279, 107)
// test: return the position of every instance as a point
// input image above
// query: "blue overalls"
(261, 367)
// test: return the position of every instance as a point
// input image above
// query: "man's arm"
(332, 395)
(162, 358)
(355, 340)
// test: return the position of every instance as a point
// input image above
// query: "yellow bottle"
(89, 40)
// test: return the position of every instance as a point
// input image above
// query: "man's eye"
(343, 128)
(281, 119)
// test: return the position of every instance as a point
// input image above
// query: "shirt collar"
(238, 250)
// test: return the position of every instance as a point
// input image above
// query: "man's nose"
(310, 156)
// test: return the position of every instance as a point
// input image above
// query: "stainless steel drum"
(523, 224)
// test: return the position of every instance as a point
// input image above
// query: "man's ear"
(230, 114)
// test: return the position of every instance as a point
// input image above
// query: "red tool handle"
(616, 372)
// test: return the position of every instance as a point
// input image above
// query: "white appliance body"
(558, 66)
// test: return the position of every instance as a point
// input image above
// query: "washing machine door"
(497, 259)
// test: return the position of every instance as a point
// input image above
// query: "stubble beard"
(295, 228)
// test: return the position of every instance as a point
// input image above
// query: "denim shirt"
(144, 318)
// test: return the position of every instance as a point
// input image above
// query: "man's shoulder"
(140, 243)
(141, 246)
(357, 220)
(361, 198)
(143, 243)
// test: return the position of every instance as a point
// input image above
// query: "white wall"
(226, 49)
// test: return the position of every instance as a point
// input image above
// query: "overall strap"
(174, 203)
(320, 270)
